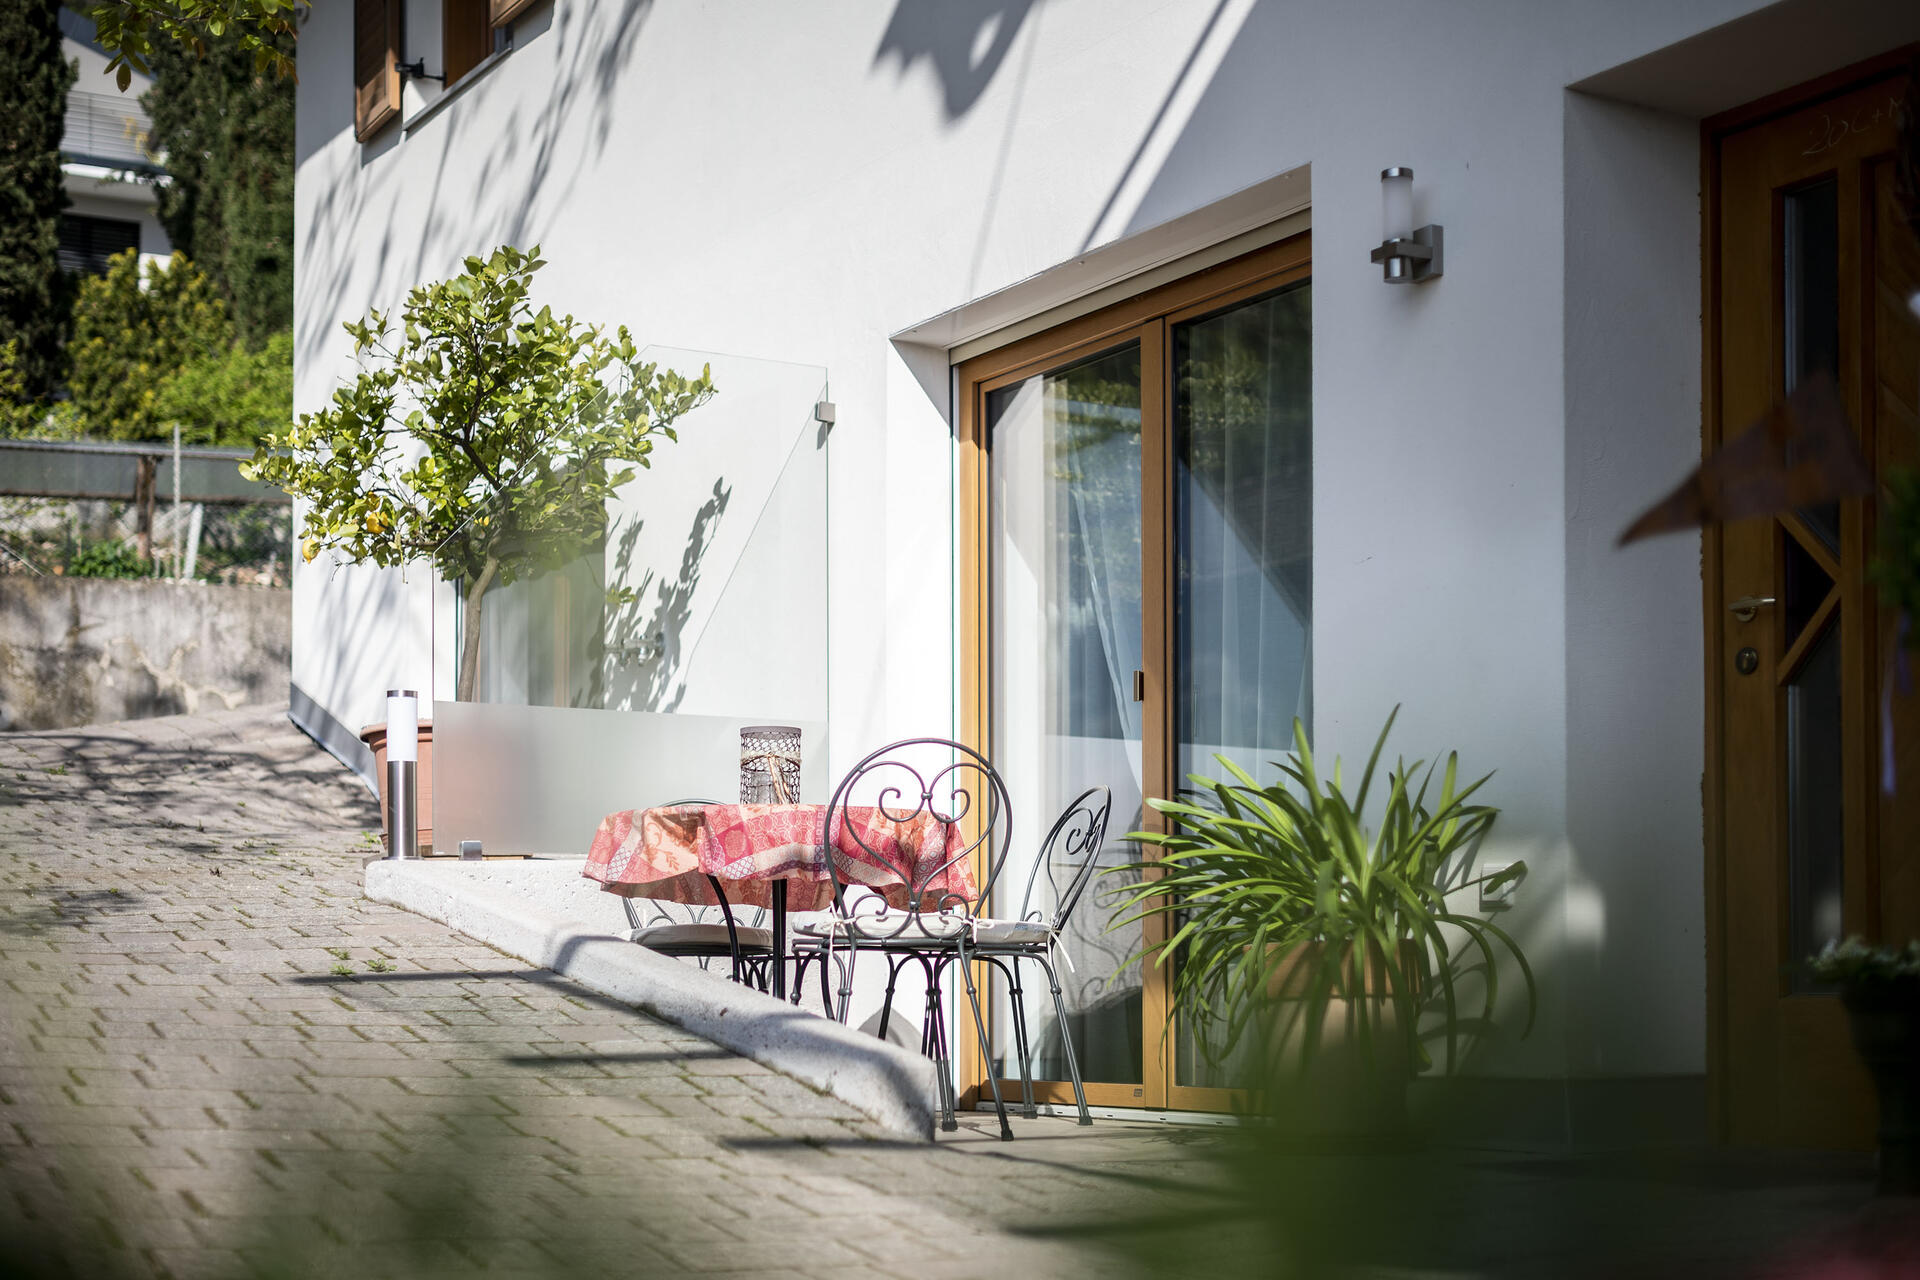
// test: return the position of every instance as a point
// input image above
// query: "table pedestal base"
(780, 939)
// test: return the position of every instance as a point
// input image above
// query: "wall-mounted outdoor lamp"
(1407, 255)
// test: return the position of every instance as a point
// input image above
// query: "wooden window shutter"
(376, 65)
(505, 11)
(466, 36)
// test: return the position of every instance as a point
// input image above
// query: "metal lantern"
(769, 764)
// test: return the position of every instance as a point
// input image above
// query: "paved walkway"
(217, 1058)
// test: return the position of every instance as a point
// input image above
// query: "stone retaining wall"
(81, 651)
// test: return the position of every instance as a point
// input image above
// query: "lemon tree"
(130, 30)
(481, 435)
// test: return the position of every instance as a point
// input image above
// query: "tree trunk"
(470, 628)
(144, 468)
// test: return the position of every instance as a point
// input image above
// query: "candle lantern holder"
(769, 764)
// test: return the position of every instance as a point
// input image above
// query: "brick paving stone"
(187, 1088)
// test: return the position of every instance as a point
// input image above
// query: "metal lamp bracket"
(1412, 261)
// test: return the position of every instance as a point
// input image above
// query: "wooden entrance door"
(1810, 270)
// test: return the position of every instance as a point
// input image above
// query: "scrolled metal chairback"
(948, 791)
(1075, 842)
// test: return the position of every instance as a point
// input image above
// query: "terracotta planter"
(1291, 977)
(1355, 1086)
(375, 736)
(1885, 1019)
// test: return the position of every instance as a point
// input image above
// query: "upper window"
(86, 243)
(470, 31)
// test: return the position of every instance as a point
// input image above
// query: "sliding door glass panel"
(1243, 552)
(1065, 528)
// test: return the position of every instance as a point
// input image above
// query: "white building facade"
(874, 204)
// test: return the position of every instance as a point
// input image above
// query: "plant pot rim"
(1876, 995)
(373, 731)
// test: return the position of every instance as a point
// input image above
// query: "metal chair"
(1071, 850)
(748, 948)
(951, 783)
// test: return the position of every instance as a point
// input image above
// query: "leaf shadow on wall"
(644, 666)
(528, 164)
(964, 41)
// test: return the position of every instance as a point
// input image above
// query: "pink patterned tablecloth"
(668, 853)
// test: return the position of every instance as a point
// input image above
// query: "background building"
(110, 164)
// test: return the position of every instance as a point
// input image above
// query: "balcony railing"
(108, 129)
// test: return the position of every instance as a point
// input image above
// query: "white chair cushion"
(920, 927)
(699, 935)
(1010, 932)
(929, 926)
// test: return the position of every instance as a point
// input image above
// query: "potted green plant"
(1286, 912)
(1880, 987)
(482, 436)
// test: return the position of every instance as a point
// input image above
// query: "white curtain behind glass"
(1065, 450)
(1243, 502)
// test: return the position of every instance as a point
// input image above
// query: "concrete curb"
(894, 1087)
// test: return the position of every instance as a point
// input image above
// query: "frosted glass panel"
(1816, 815)
(1812, 304)
(539, 779)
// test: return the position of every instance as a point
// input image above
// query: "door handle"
(1746, 606)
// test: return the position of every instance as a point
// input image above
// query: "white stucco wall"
(797, 182)
(1635, 908)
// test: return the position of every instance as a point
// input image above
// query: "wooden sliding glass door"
(1137, 574)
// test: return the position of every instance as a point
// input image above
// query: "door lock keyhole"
(1747, 661)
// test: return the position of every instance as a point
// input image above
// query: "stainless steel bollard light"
(403, 763)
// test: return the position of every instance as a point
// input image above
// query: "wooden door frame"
(1146, 318)
(1713, 131)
